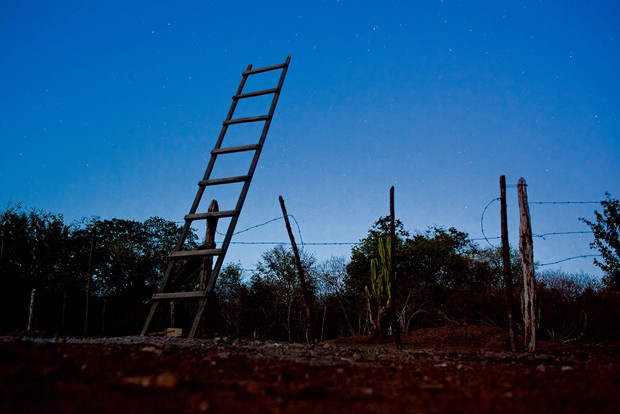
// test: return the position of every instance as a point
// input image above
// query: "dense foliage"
(441, 277)
(606, 231)
(125, 260)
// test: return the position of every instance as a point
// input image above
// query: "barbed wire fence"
(541, 236)
(485, 238)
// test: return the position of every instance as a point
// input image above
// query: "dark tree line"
(443, 278)
(125, 260)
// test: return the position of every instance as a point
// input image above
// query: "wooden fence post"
(89, 280)
(392, 310)
(31, 310)
(300, 270)
(510, 304)
(2, 226)
(207, 263)
(527, 259)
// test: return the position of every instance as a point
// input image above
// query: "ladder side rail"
(233, 223)
(218, 145)
(155, 303)
(197, 199)
(246, 185)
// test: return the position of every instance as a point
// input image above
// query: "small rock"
(151, 349)
(204, 406)
(166, 380)
(141, 381)
(367, 391)
(253, 387)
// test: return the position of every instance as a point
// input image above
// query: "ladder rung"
(256, 93)
(235, 149)
(227, 180)
(265, 69)
(179, 295)
(187, 253)
(202, 216)
(248, 119)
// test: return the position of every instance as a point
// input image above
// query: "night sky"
(110, 109)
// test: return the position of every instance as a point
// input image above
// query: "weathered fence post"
(31, 310)
(207, 263)
(105, 302)
(510, 304)
(527, 259)
(89, 280)
(300, 270)
(62, 314)
(2, 241)
(392, 310)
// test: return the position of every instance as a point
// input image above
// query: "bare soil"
(464, 369)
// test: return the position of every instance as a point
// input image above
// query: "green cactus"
(379, 295)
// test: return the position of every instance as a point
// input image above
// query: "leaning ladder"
(178, 252)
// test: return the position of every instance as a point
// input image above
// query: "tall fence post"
(207, 262)
(510, 304)
(300, 270)
(527, 259)
(89, 280)
(2, 241)
(31, 310)
(392, 310)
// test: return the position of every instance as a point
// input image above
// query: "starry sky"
(110, 109)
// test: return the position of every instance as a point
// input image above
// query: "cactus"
(379, 295)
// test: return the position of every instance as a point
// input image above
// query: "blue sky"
(110, 109)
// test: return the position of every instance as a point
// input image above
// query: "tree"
(442, 276)
(39, 251)
(277, 272)
(331, 276)
(231, 296)
(606, 231)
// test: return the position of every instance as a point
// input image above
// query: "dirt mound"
(467, 337)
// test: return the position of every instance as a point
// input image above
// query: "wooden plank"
(247, 119)
(256, 93)
(178, 295)
(189, 253)
(227, 180)
(240, 148)
(265, 69)
(210, 214)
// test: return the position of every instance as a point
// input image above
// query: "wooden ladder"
(209, 250)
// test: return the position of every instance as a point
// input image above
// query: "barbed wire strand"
(301, 240)
(570, 258)
(264, 224)
(482, 222)
(561, 233)
(277, 243)
(564, 202)
(485, 237)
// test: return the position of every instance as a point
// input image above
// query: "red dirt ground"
(464, 369)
